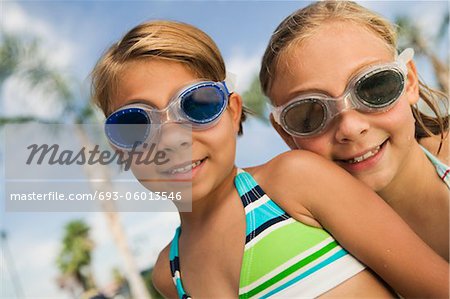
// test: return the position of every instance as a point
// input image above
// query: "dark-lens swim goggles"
(199, 105)
(374, 89)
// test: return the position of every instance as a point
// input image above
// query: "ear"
(412, 84)
(235, 109)
(286, 137)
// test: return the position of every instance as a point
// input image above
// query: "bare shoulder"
(432, 145)
(162, 277)
(293, 167)
(295, 179)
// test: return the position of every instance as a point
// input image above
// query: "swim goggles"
(374, 89)
(199, 105)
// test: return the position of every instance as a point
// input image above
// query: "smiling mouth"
(365, 156)
(184, 168)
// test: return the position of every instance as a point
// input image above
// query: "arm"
(309, 186)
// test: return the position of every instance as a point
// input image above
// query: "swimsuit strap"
(260, 211)
(442, 169)
(174, 257)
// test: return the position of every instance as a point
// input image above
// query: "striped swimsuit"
(282, 257)
(442, 169)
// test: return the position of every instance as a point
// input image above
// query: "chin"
(376, 182)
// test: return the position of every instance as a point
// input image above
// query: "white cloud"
(150, 233)
(427, 15)
(18, 98)
(146, 233)
(244, 66)
(430, 17)
(15, 20)
(35, 265)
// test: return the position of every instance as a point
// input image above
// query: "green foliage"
(11, 51)
(74, 258)
(147, 275)
(117, 276)
(256, 101)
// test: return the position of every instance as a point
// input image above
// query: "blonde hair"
(304, 22)
(160, 39)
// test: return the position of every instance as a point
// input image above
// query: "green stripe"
(290, 270)
(275, 249)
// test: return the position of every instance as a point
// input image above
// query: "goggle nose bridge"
(343, 103)
(166, 115)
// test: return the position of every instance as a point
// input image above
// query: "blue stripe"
(180, 289)
(244, 183)
(252, 196)
(174, 265)
(265, 226)
(174, 245)
(317, 267)
(261, 215)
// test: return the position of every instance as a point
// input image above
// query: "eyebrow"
(366, 66)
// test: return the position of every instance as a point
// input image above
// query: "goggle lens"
(380, 89)
(128, 127)
(305, 117)
(204, 104)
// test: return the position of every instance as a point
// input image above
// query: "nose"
(174, 138)
(351, 125)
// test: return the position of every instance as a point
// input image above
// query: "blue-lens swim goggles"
(199, 105)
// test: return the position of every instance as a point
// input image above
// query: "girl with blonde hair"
(341, 90)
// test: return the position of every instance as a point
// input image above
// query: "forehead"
(153, 81)
(329, 56)
(341, 39)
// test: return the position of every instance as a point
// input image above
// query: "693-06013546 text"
(97, 195)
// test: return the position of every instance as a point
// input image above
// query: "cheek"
(221, 138)
(320, 145)
(399, 121)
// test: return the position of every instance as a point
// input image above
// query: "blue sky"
(74, 34)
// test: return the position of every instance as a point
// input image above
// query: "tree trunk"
(135, 280)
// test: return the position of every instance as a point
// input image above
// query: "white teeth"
(185, 168)
(365, 156)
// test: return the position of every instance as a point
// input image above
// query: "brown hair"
(303, 23)
(159, 39)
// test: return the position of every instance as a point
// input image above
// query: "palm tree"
(410, 34)
(256, 101)
(74, 259)
(26, 60)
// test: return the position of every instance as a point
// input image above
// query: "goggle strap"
(229, 81)
(276, 111)
(405, 56)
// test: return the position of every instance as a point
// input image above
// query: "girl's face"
(324, 63)
(211, 152)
